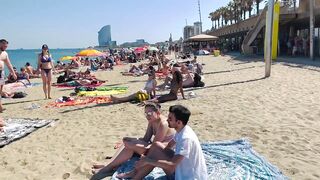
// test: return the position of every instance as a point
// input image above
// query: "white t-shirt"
(193, 165)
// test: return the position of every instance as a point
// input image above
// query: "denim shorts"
(171, 176)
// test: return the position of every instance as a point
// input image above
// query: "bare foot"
(95, 171)
(127, 175)
(114, 99)
(97, 166)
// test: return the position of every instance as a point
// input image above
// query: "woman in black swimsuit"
(175, 87)
(45, 64)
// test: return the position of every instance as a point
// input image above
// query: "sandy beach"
(279, 116)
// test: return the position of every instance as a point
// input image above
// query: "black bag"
(19, 95)
(61, 79)
(197, 81)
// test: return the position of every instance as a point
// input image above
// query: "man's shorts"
(171, 176)
(2, 77)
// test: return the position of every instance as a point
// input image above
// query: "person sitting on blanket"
(157, 128)
(186, 162)
(175, 86)
(187, 78)
(11, 78)
(23, 75)
(148, 92)
(31, 71)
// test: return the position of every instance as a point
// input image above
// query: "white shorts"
(2, 77)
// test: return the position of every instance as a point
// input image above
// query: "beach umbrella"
(139, 50)
(202, 38)
(153, 49)
(64, 58)
(202, 52)
(90, 52)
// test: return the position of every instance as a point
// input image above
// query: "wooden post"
(268, 38)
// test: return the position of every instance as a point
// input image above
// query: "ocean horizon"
(19, 57)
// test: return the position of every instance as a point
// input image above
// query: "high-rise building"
(197, 28)
(188, 31)
(104, 36)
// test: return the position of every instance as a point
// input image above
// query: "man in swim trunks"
(4, 60)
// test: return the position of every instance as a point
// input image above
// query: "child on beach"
(157, 128)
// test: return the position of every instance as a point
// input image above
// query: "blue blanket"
(225, 160)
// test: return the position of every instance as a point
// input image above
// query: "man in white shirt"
(4, 59)
(186, 162)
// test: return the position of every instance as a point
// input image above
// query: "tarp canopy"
(202, 37)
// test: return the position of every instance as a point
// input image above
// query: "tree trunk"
(257, 6)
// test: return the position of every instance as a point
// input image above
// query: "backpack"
(197, 81)
(19, 95)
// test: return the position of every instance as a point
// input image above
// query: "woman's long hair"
(178, 76)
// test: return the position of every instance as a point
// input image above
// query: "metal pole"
(312, 4)
(200, 17)
(268, 36)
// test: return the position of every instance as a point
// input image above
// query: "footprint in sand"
(66, 175)
(285, 138)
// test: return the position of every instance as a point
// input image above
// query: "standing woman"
(45, 64)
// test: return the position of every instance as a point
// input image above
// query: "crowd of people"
(169, 143)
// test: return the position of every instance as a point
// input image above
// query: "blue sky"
(75, 23)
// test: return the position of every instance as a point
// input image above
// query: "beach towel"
(100, 93)
(80, 101)
(72, 85)
(225, 160)
(15, 129)
(104, 91)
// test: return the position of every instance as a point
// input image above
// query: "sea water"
(20, 57)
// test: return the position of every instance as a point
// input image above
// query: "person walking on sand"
(4, 59)
(45, 63)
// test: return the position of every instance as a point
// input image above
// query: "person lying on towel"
(185, 162)
(157, 128)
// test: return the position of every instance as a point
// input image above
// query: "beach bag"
(19, 95)
(60, 79)
(197, 81)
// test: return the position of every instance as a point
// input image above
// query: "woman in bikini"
(157, 127)
(175, 86)
(45, 63)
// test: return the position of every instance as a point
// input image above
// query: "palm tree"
(257, 5)
(231, 12)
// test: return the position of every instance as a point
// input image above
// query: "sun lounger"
(225, 160)
(15, 129)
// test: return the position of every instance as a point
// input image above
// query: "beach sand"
(279, 115)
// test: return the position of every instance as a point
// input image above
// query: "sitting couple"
(184, 163)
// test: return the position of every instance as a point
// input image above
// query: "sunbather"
(175, 86)
(157, 127)
(148, 92)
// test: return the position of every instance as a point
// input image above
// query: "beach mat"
(73, 85)
(15, 129)
(104, 91)
(80, 101)
(225, 160)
